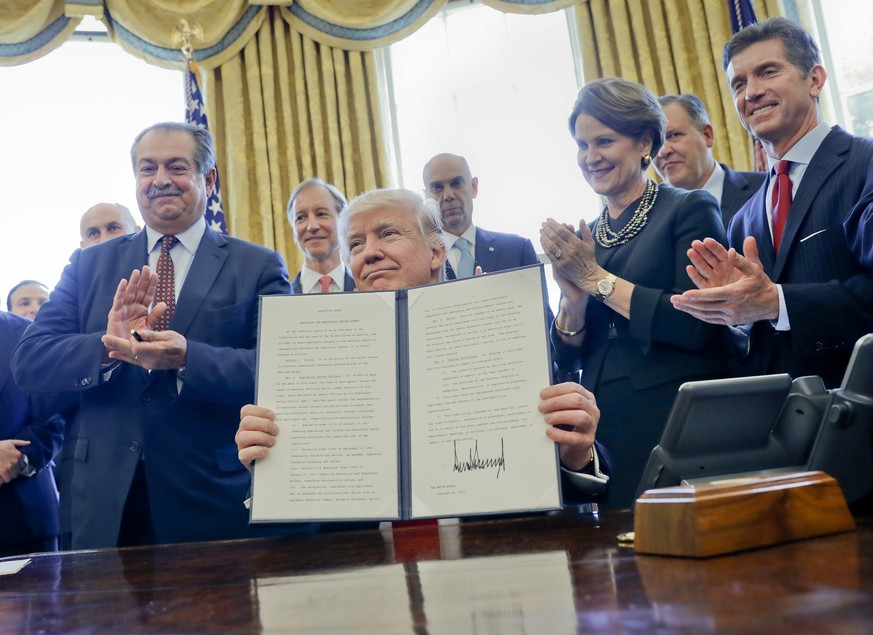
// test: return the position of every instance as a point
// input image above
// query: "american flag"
(195, 113)
(742, 14)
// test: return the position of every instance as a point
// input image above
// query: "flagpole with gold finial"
(195, 111)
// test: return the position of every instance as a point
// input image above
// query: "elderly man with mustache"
(156, 332)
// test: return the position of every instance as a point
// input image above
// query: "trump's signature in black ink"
(474, 462)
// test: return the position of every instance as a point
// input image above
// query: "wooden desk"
(559, 574)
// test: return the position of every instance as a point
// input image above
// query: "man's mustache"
(167, 190)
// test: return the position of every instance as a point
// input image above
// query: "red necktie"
(166, 291)
(781, 201)
(325, 283)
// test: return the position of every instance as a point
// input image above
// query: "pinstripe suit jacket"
(738, 188)
(828, 294)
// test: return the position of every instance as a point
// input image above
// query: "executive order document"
(409, 404)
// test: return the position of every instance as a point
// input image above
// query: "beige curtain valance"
(31, 29)
(147, 29)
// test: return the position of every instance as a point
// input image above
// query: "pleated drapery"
(285, 109)
(291, 87)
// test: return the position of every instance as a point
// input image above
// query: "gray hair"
(800, 49)
(426, 211)
(692, 106)
(338, 197)
(204, 143)
(624, 106)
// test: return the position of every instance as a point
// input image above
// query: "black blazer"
(738, 188)
(658, 344)
(348, 283)
(828, 294)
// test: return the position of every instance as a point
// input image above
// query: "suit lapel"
(296, 286)
(759, 227)
(207, 263)
(486, 251)
(823, 163)
(349, 282)
(133, 253)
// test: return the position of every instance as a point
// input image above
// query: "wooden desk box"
(732, 515)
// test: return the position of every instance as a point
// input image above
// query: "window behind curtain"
(496, 88)
(66, 124)
(847, 46)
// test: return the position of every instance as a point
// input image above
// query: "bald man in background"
(448, 180)
(104, 221)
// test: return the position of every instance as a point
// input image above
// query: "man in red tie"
(160, 363)
(789, 282)
(313, 210)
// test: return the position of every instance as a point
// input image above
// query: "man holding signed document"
(392, 240)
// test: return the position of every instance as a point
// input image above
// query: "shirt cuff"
(782, 323)
(590, 479)
(741, 338)
(29, 470)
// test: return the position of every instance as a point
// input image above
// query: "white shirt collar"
(805, 148)
(189, 239)
(310, 280)
(470, 235)
(715, 183)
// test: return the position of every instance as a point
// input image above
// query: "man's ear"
(708, 134)
(438, 258)
(819, 76)
(474, 185)
(209, 177)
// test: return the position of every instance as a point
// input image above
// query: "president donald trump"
(156, 332)
(392, 239)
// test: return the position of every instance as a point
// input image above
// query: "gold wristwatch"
(606, 287)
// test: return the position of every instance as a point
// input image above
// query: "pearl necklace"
(607, 238)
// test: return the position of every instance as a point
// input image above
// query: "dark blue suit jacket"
(196, 483)
(828, 293)
(28, 505)
(348, 283)
(498, 252)
(738, 188)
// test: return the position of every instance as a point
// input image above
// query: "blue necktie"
(465, 264)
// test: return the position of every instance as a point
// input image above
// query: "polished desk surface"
(559, 574)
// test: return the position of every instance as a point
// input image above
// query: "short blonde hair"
(426, 211)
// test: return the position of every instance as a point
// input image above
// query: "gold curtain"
(670, 46)
(284, 109)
